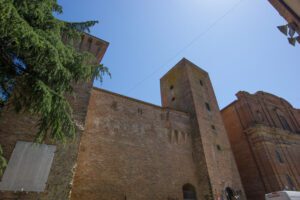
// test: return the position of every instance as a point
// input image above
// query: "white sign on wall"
(28, 168)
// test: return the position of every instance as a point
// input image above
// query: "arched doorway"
(229, 193)
(189, 192)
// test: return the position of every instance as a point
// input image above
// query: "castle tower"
(40, 171)
(188, 88)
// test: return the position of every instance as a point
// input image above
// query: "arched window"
(229, 193)
(189, 192)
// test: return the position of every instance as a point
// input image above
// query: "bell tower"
(188, 88)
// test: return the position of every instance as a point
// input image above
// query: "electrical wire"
(200, 35)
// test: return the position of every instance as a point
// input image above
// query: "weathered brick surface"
(188, 88)
(133, 150)
(256, 130)
(22, 127)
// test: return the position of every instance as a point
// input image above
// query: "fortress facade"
(126, 149)
(135, 150)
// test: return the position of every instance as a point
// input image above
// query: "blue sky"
(237, 43)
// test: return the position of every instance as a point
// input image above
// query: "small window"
(201, 82)
(171, 87)
(229, 193)
(189, 192)
(140, 111)
(176, 135)
(213, 127)
(278, 157)
(114, 105)
(207, 106)
(219, 147)
(173, 99)
(90, 41)
(284, 123)
(98, 50)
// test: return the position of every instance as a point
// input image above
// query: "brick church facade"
(264, 132)
(126, 149)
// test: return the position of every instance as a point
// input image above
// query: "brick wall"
(133, 150)
(244, 156)
(22, 127)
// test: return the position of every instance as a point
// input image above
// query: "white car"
(283, 195)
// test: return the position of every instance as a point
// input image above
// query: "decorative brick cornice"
(262, 133)
(286, 12)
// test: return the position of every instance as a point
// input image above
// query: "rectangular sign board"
(28, 168)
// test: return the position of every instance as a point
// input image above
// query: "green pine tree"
(37, 68)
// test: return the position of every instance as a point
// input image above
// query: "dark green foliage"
(37, 68)
(2, 162)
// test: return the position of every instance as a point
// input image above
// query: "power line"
(186, 46)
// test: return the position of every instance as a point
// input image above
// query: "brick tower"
(23, 181)
(188, 88)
